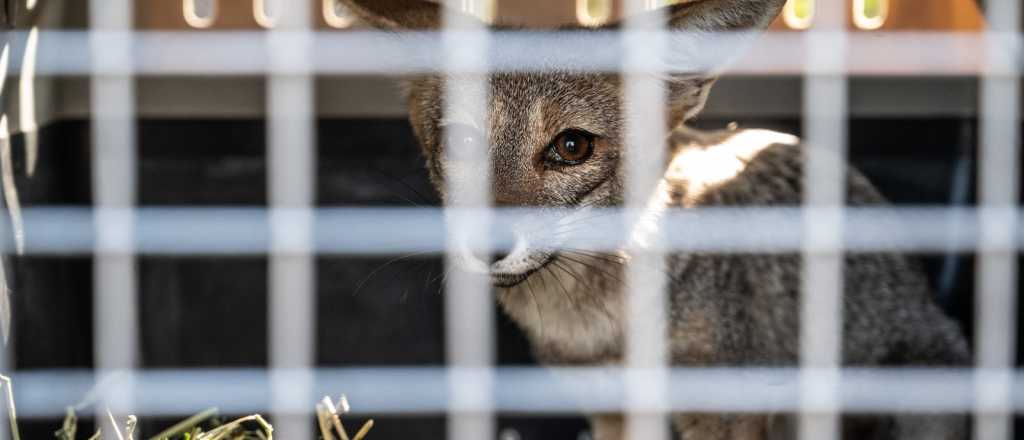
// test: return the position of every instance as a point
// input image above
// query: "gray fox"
(556, 141)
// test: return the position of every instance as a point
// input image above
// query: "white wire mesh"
(228, 230)
(646, 276)
(998, 187)
(115, 310)
(176, 53)
(821, 316)
(468, 312)
(291, 162)
(469, 389)
(424, 391)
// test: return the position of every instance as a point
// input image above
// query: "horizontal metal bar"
(372, 52)
(427, 390)
(388, 231)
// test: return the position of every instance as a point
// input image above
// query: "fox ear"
(722, 15)
(709, 15)
(404, 14)
(708, 34)
(687, 96)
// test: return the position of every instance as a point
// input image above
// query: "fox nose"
(492, 258)
(498, 256)
(502, 241)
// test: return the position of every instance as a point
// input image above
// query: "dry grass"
(205, 425)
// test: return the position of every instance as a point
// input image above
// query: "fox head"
(554, 138)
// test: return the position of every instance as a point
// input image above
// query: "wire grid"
(473, 389)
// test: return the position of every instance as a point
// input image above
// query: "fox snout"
(509, 254)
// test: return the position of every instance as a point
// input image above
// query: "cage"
(221, 203)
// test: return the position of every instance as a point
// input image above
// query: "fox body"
(556, 140)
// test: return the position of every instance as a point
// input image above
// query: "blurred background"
(202, 141)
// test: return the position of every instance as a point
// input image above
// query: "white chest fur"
(572, 308)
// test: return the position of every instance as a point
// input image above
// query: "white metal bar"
(412, 391)
(389, 231)
(999, 177)
(469, 309)
(291, 165)
(9, 203)
(931, 54)
(821, 317)
(647, 352)
(115, 321)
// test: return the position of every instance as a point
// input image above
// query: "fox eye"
(462, 141)
(571, 147)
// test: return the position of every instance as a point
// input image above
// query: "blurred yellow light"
(337, 15)
(870, 14)
(798, 14)
(655, 4)
(593, 13)
(261, 14)
(193, 16)
(483, 9)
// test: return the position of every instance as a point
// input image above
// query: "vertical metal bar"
(825, 129)
(469, 311)
(115, 321)
(646, 349)
(6, 351)
(999, 192)
(5, 291)
(291, 166)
